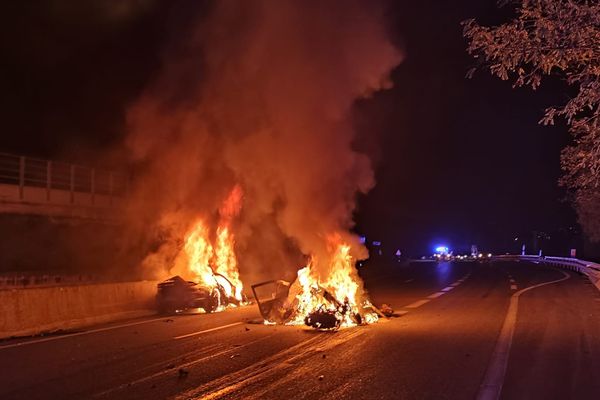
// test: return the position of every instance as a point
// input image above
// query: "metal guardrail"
(50, 175)
(588, 268)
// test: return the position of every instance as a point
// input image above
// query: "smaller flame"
(338, 293)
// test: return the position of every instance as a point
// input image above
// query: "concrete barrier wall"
(36, 310)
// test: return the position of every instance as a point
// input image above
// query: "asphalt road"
(464, 331)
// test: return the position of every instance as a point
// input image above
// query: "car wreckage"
(277, 302)
(176, 295)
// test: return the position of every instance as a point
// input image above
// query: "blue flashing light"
(442, 249)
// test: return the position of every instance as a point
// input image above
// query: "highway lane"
(440, 347)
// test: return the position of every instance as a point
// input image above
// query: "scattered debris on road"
(183, 373)
(386, 310)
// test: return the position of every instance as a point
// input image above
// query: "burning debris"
(315, 302)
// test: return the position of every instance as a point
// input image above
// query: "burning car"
(176, 294)
(306, 301)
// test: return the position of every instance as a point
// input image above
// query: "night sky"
(457, 161)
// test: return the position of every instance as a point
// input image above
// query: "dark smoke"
(259, 93)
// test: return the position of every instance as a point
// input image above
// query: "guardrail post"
(93, 185)
(48, 179)
(72, 183)
(21, 176)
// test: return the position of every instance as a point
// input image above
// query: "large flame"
(200, 252)
(338, 292)
(210, 264)
(225, 261)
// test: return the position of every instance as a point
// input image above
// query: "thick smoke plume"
(259, 94)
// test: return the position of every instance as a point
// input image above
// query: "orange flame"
(211, 264)
(232, 205)
(200, 252)
(226, 262)
(341, 281)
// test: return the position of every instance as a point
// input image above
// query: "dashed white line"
(513, 287)
(70, 335)
(218, 328)
(418, 303)
(436, 295)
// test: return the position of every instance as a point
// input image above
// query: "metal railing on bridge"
(44, 279)
(33, 181)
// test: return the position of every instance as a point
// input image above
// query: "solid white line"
(436, 295)
(418, 303)
(70, 335)
(208, 330)
(491, 388)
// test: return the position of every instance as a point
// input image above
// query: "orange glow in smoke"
(232, 205)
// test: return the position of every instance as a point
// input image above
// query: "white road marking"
(218, 328)
(436, 295)
(408, 280)
(513, 287)
(70, 335)
(443, 291)
(207, 354)
(418, 303)
(491, 388)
